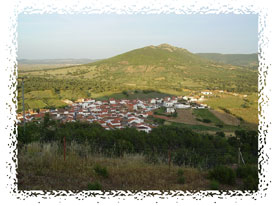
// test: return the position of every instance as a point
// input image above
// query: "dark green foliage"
(181, 180)
(225, 110)
(101, 171)
(94, 186)
(152, 158)
(175, 114)
(219, 125)
(125, 93)
(157, 120)
(205, 115)
(247, 170)
(214, 185)
(251, 183)
(248, 142)
(249, 174)
(147, 91)
(180, 172)
(220, 134)
(223, 174)
(186, 147)
(206, 120)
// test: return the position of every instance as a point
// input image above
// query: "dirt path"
(226, 118)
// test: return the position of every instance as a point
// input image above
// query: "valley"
(175, 116)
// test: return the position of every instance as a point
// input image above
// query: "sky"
(97, 36)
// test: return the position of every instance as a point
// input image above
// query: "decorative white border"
(8, 49)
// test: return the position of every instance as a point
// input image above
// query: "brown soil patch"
(124, 62)
(161, 117)
(226, 118)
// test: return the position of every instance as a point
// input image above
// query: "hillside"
(248, 60)
(164, 68)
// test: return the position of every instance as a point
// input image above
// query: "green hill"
(249, 60)
(162, 68)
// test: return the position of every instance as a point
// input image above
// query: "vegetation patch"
(223, 174)
(101, 171)
(206, 116)
(214, 185)
(94, 186)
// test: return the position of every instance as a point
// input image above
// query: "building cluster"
(114, 114)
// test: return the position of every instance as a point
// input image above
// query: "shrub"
(206, 120)
(94, 186)
(214, 185)
(251, 183)
(247, 170)
(240, 118)
(101, 171)
(151, 158)
(181, 180)
(223, 175)
(220, 134)
(180, 172)
(219, 125)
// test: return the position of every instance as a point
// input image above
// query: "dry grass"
(42, 167)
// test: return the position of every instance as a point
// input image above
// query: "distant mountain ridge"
(56, 61)
(250, 60)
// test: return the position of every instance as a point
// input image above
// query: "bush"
(94, 186)
(247, 170)
(181, 180)
(223, 174)
(101, 171)
(251, 183)
(214, 185)
(151, 158)
(206, 120)
(220, 134)
(180, 172)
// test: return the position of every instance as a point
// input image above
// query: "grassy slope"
(206, 114)
(234, 59)
(42, 167)
(235, 105)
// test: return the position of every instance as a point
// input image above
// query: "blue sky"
(52, 36)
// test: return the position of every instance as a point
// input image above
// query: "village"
(115, 114)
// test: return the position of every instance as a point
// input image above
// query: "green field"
(246, 108)
(205, 114)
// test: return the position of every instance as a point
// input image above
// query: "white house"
(112, 101)
(170, 110)
(85, 105)
(168, 104)
(181, 106)
(144, 128)
(159, 101)
(153, 101)
(98, 102)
